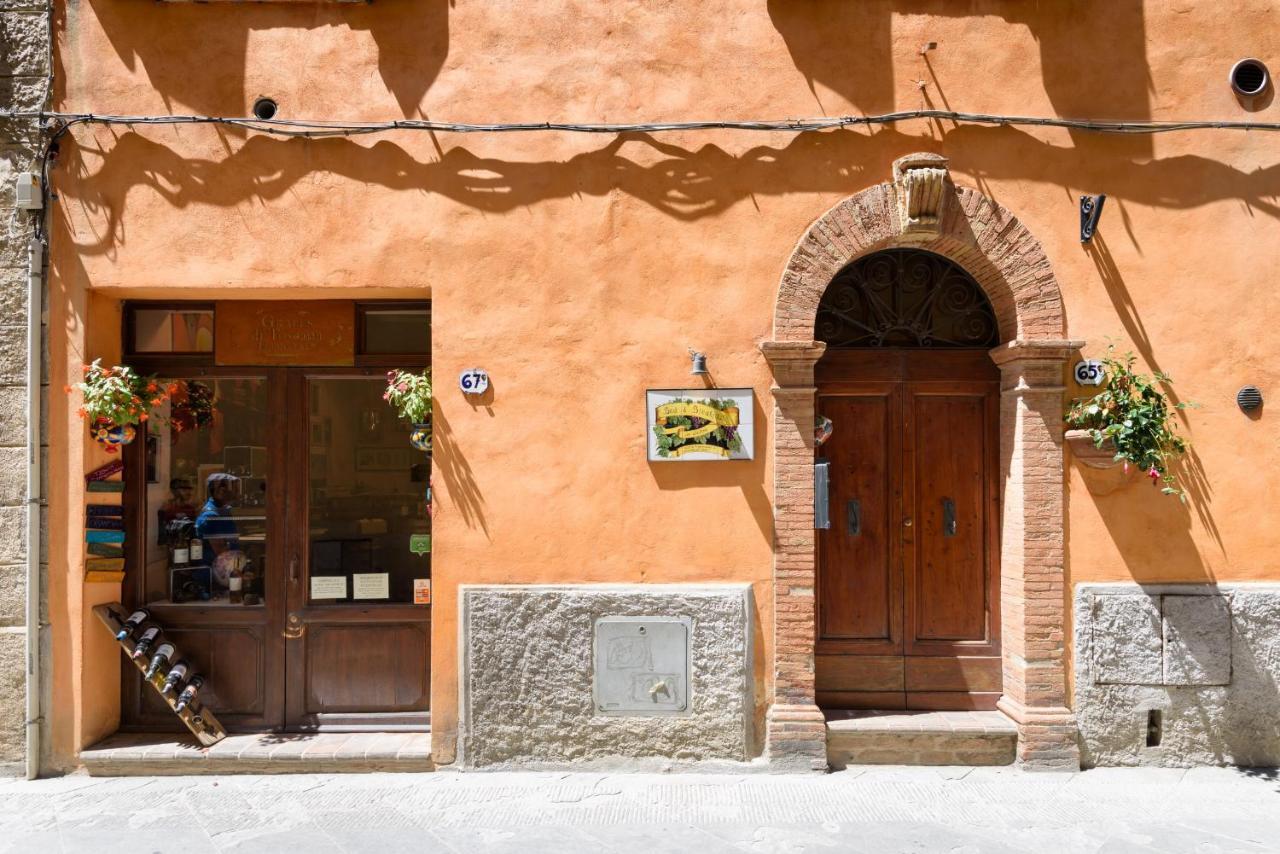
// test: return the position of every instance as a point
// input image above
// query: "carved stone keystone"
(920, 183)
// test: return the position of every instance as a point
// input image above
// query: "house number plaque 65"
(1090, 372)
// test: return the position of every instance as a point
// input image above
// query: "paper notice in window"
(422, 591)
(329, 587)
(370, 585)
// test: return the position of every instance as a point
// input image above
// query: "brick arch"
(981, 236)
(922, 208)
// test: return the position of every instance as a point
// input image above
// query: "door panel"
(861, 602)
(367, 667)
(908, 612)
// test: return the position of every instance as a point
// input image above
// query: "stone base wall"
(528, 669)
(1204, 658)
(24, 85)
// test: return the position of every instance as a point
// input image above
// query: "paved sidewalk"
(873, 809)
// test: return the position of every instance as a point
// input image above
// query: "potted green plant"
(1129, 422)
(409, 393)
(115, 401)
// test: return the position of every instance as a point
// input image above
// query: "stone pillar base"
(796, 739)
(1048, 739)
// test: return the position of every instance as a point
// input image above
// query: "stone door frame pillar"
(922, 208)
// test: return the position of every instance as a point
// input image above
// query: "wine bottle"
(235, 584)
(195, 551)
(189, 693)
(175, 675)
(136, 619)
(159, 660)
(145, 642)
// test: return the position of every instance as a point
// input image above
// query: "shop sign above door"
(311, 332)
(688, 425)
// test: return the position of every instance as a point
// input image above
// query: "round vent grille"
(1249, 77)
(1249, 398)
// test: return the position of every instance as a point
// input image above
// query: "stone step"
(169, 754)
(919, 738)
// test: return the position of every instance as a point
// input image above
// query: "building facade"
(608, 560)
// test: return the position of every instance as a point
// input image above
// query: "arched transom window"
(905, 298)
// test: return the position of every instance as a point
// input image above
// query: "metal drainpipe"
(35, 279)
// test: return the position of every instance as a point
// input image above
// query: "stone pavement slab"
(865, 808)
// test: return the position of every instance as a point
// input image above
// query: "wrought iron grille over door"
(905, 298)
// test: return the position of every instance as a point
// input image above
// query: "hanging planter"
(409, 394)
(1129, 422)
(116, 400)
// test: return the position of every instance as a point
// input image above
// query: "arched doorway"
(921, 208)
(907, 594)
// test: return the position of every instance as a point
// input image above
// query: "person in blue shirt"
(215, 525)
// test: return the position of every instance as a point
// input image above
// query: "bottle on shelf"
(130, 625)
(145, 642)
(189, 693)
(180, 556)
(235, 584)
(195, 551)
(175, 675)
(159, 661)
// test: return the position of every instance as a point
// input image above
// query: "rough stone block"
(13, 695)
(23, 33)
(13, 355)
(1127, 640)
(13, 540)
(528, 669)
(13, 599)
(1197, 640)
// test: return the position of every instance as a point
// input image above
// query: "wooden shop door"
(908, 572)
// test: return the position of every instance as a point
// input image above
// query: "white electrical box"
(27, 192)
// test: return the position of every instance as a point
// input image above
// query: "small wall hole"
(1249, 77)
(264, 108)
(1155, 727)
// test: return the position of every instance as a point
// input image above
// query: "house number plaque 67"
(474, 381)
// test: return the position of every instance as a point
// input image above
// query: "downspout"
(35, 279)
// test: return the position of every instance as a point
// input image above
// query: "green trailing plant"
(409, 394)
(1137, 416)
(117, 396)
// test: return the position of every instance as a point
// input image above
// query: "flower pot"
(420, 438)
(112, 436)
(1089, 454)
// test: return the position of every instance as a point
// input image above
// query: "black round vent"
(1249, 77)
(1249, 398)
(264, 108)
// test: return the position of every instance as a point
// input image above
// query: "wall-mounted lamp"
(699, 362)
(1090, 213)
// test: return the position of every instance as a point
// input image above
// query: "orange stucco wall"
(577, 269)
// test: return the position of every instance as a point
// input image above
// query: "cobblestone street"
(862, 809)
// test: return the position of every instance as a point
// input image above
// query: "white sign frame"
(745, 400)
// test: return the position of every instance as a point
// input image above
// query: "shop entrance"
(907, 577)
(297, 485)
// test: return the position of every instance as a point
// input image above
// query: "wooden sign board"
(260, 332)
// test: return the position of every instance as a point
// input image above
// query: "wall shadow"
(453, 467)
(684, 183)
(175, 43)
(1092, 55)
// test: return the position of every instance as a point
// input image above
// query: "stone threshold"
(920, 738)
(168, 754)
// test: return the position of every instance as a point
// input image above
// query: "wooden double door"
(908, 572)
(329, 501)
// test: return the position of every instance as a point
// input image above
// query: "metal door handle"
(295, 629)
(853, 517)
(948, 518)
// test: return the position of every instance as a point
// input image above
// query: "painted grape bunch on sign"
(686, 426)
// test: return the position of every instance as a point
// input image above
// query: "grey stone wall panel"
(527, 654)
(1197, 640)
(1226, 633)
(13, 590)
(26, 49)
(13, 695)
(1127, 642)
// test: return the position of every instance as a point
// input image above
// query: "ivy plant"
(1137, 416)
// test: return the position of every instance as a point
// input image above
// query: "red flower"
(1153, 474)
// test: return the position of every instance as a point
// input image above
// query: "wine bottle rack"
(197, 717)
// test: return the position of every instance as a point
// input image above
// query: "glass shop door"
(357, 627)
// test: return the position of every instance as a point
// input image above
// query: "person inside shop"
(177, 506)
(216, 527)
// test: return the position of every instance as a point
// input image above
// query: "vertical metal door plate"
(642, 665)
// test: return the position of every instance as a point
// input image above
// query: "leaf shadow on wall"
(686, 184)
(195, 54)
(1092, 62)
(460, 483)
(1189, 470)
